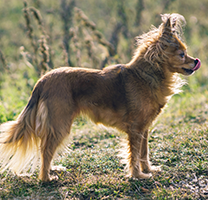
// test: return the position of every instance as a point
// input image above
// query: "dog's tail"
(18, 140)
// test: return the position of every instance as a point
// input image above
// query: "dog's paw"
(142, 175)
(58, 168)
(50, 178)
(155, 168)
(147, 167)
(54, 178)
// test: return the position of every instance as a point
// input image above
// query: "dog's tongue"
(198, 64)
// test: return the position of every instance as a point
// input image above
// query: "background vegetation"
(36, 36)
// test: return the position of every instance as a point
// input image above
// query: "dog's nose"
(196, 61)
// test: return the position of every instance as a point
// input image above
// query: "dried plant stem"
(66, 15)
(90, 50)
(42, 46)
(3, 60)
(44, 49)
(30, 35)
(77, 47)
(97, 36)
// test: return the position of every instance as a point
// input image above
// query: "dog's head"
(177, 58)
(164, 46)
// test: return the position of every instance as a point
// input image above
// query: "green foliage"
(2, 114)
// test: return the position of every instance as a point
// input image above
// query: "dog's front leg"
(144, 152)
(134, 157)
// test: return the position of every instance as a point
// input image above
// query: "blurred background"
(37, 35)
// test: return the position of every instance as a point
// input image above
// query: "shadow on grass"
(78, 185)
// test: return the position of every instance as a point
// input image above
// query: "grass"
(178, 142)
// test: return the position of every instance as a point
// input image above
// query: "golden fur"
(125, 96)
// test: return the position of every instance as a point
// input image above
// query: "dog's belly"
(106, 116)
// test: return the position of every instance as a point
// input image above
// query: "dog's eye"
(182, 55)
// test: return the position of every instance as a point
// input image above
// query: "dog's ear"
(172, 24)
(167, 26)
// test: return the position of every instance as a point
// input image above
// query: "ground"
(178, 142)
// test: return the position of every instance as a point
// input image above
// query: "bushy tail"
(18, 141)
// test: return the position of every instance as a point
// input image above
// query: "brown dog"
(126, 96)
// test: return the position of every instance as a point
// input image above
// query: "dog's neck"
(162, 82)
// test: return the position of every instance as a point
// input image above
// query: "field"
(178, 140)
(178, 143)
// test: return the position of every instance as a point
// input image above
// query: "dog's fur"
(126, 96)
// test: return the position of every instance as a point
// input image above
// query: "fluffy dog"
(125, 96)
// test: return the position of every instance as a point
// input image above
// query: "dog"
(128, 97)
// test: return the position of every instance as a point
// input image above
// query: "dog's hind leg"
(134, 157)
(49, 146)
(54, 118)
(53, 125)
(144, 152)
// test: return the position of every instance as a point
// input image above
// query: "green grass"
(178, 143)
